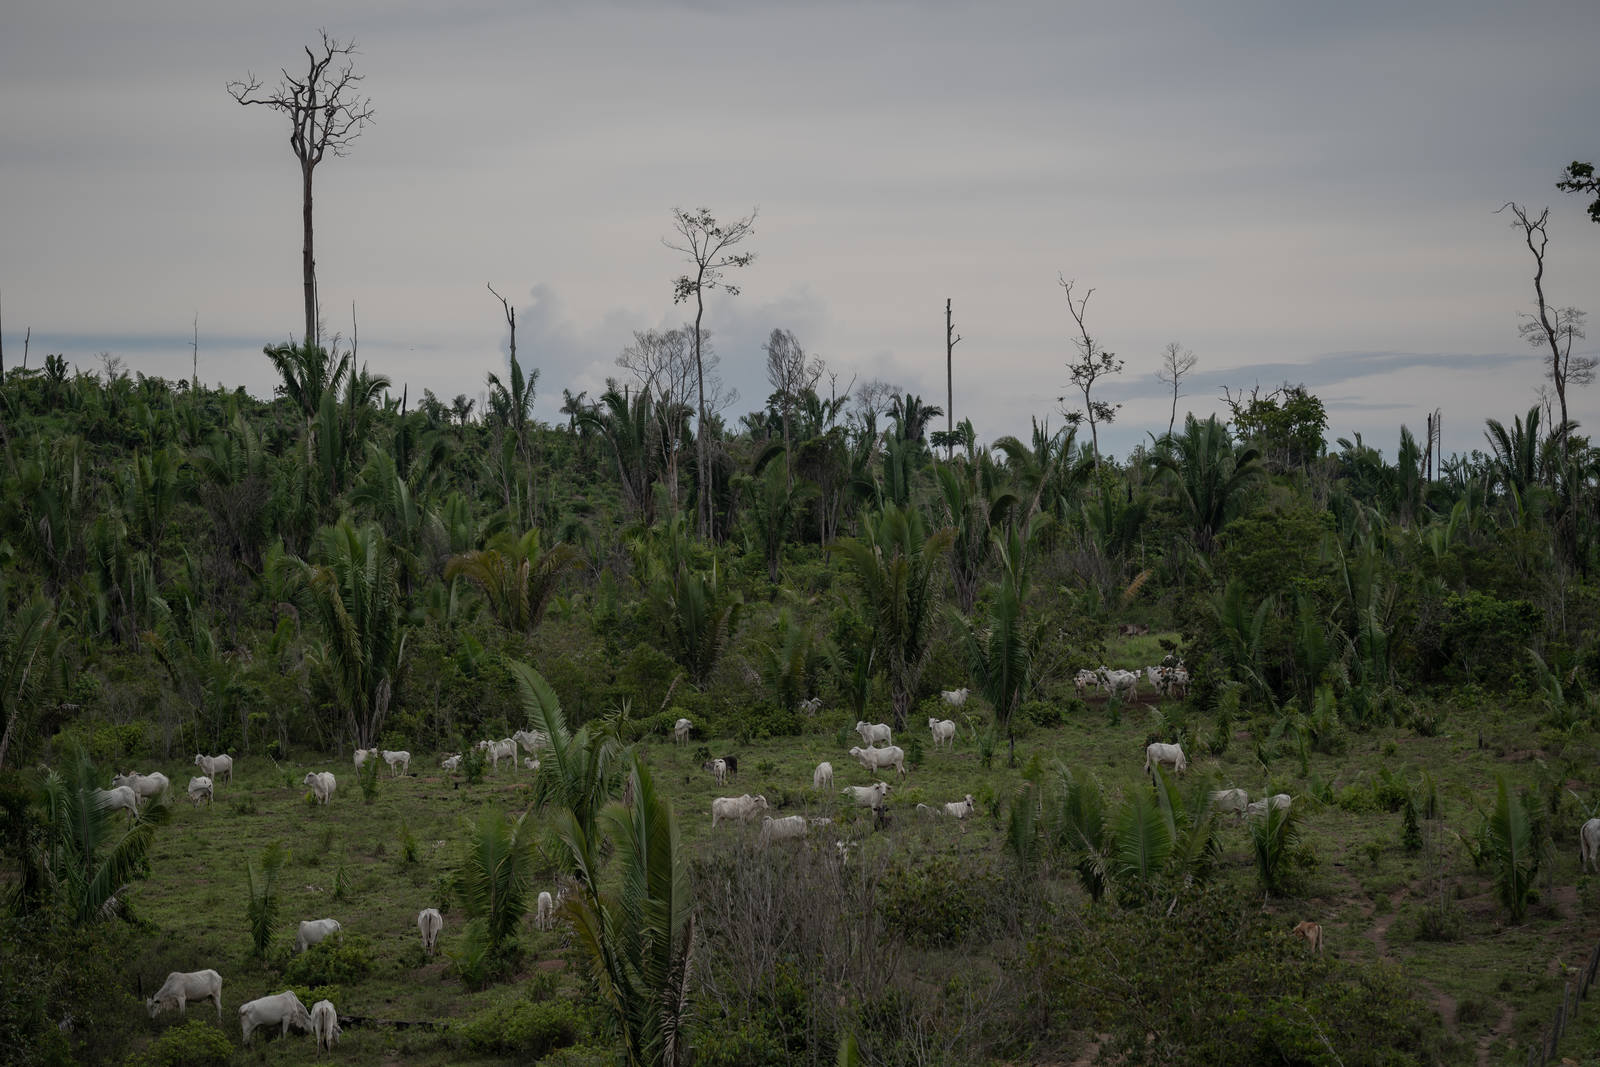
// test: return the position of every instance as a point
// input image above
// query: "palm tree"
(30, 663)
(355, 595)
(1045, 474)
(87, 854)
(517, 575)
(308, 371)
(911, 418)
(1209, 474)
(895, 560)
(577, 774)
(1512, 850)
(511, 406)
(1000, 656)
(773, 500)
(496, 875)
(640, 935)
(628, 423)
(1516, 452)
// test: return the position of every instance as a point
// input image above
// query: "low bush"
(340, 960)
(197, 1043)
(517, 1026)
(941, 900)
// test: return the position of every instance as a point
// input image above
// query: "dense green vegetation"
(189, 570)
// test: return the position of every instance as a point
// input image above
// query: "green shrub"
(1041, 713)
(197, 1043)
(940, 900)
(472, 764)
(517, 1026)
(339, 960)
(367, 776)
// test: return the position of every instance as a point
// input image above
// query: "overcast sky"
(1293, 191)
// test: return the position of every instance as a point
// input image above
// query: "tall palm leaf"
(1208, 474)
(1512, 850)
(30, 663)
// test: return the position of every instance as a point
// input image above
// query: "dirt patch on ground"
(1502, 1029)
(1379, 932)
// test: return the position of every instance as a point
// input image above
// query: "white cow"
(1166, 756)
(961, 809)
(1589, 844)
(1234, 800)
(450, 763)
(363, 754)
(876, 759)
(785, 829)
(718, 768)
(544, 916)
(215, 767)
(742, 808)
(811, 706)
(313, 931)
(529, 763)
(532, 740)
(871, 733)
(199, 789)
(322, 785)
(1119, 683)
(1279, 801)
(429, 923)
(399, 762)
(282, 1010)
(1178, 681)
(325, 1024)
(182, 987)
(822, 777)
(1083, 680)
(121, 796)
(144, 785)
(681, 730)
(499, 750)
(868, 796)
(955, 697)
(944, 731)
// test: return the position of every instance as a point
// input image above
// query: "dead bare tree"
(790, 372)
(1551, 327)
(951, 339)
(326, 113)
(708, 244)
(1176, 361)
(1092, 364)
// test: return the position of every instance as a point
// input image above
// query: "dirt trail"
(1501, 1029)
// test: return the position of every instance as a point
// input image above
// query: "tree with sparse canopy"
(1092, 364)
(1549, 326)
(708, 244)
(326, 113)
(1579, 178)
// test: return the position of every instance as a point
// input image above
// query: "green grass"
(1362, 882)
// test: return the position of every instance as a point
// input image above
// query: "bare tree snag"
(1551, 327)
(1176, 361)
(951, 339)
(326, 114)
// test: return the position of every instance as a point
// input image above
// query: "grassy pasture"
(1496, 986)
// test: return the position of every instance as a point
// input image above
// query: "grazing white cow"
(876, 759)
(868, 796)
(429, 923)
(144, 785)
(450, 763)
(314, 930)
(681, 730)
(785, 829)
(742, 808)
(1589, 844)
(399, 762)
(955, 697)
(182, 987)
(873, 732)
(215, 767)
(1178, 681)
(531, 740)
(1311, 934)
(822, 777)
(325, 1024)
(811, 706)
(282, 1010)
(944, 731)
(322, 785)
(1234, 800)
(1166, 756)
(199, 789)
(121, 796)
(961, 809)
(1280, 801)
(1083, 680)
(544, 916)
(363, 754)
